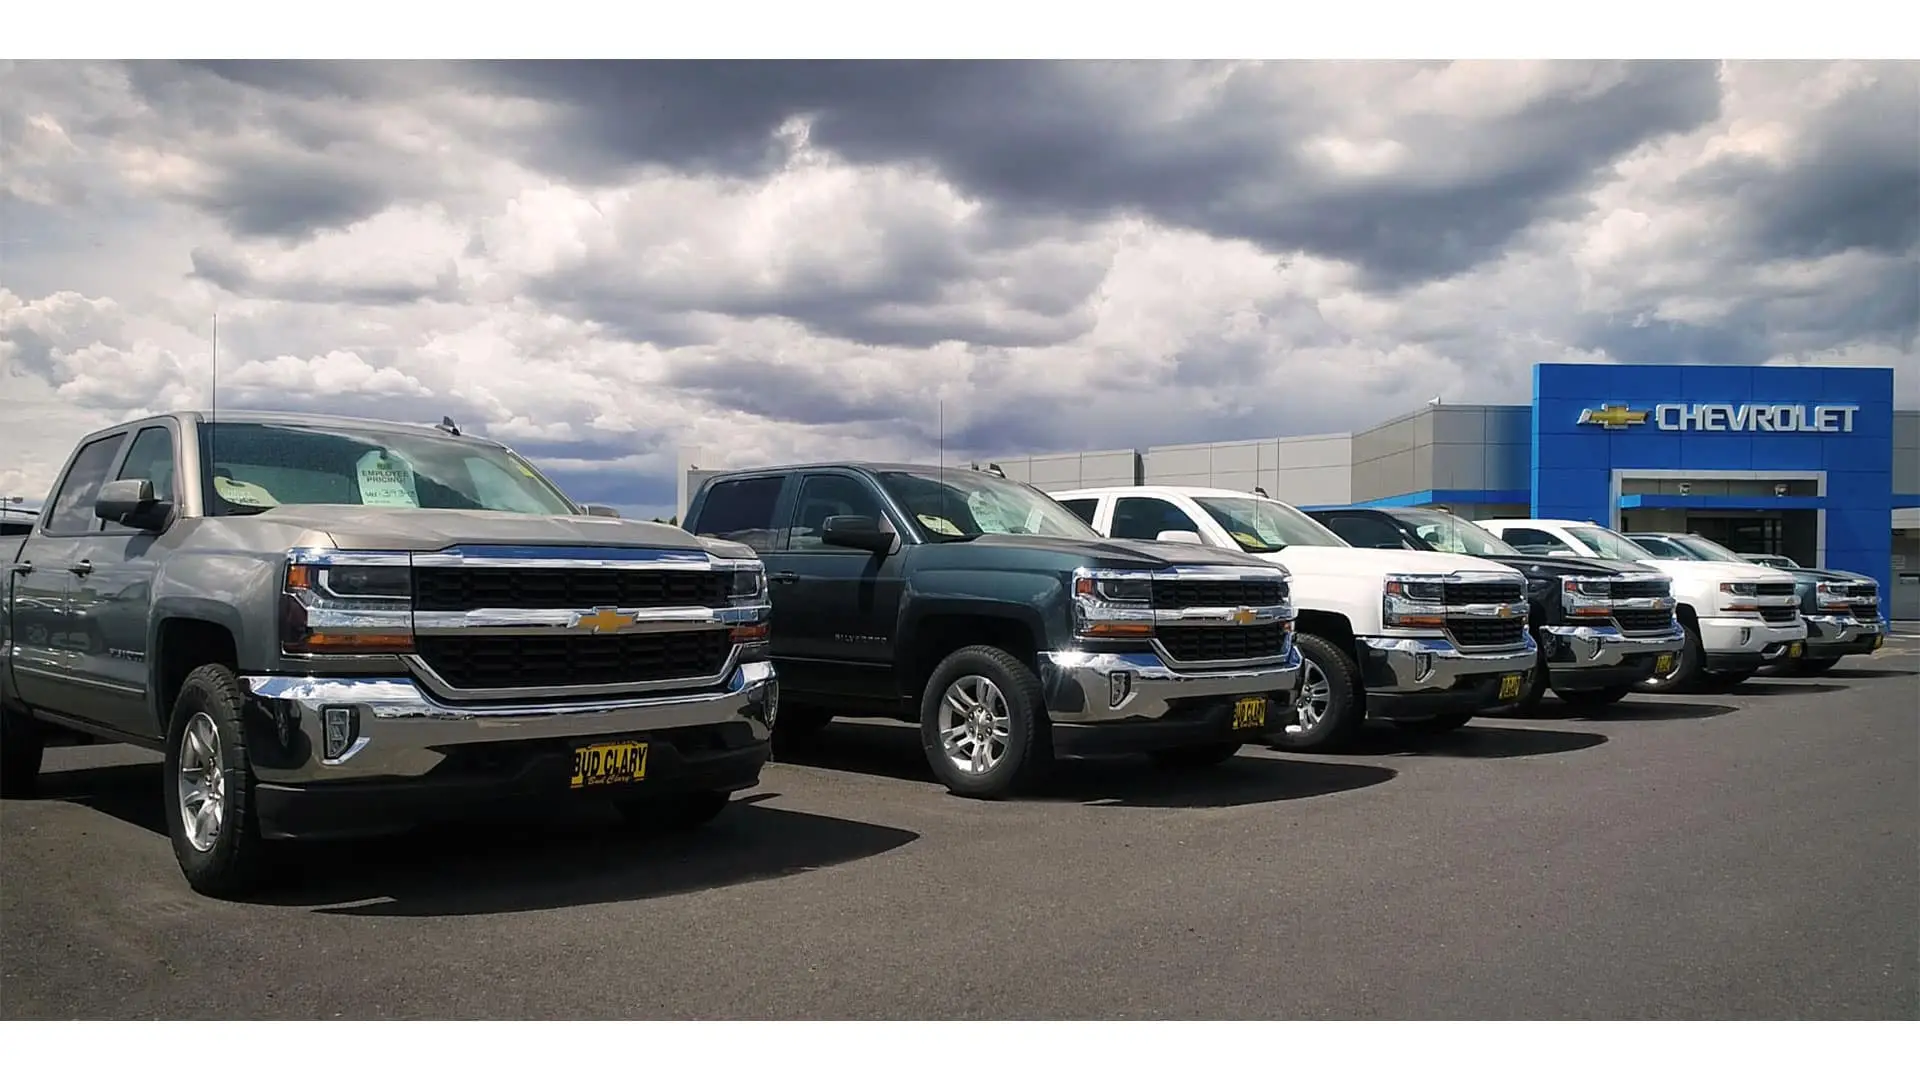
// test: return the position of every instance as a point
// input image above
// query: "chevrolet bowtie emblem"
(1243, 616)
(603, 620)
(1613, 417)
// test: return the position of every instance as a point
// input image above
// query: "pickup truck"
(1841, 609)
(1009, 632)
(1602, 625)
(1736, 618)
(1424, 639)
(334, 627)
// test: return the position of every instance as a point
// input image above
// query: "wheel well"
(1684, 612)
(940, 636)
(1326, 624)
(186, 644)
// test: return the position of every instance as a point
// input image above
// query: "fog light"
(1422, 666)
(337, 727)
(1119, 685)
(1746, 635)
(770, 706)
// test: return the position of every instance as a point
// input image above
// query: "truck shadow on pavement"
(1479, 739)
(893, 751)
(1632, 710)
(1780, 688)
(495, 864)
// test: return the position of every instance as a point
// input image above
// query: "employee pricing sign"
(1748, 417)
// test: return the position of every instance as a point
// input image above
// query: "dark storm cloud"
(1088, 139)
(784, 392)
(613, 487)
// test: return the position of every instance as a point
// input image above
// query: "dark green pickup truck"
(992, 617)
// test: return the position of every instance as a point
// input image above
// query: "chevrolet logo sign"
(603, 620)
(1613, 417)
(1243, 616)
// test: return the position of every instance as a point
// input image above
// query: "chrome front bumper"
(1583, 648)
(1417, 676)
(396, 726)
(1831, 633)
(1092, 688)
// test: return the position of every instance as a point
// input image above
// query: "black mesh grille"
(1774, 588)
(437, 588)
(1200, 644)
(1643, 622)
(1778, 614)
(1173, 595)
(1483, 592)
(1858, 591)
(510, 660)
(1635, 590)
(1866, 611)
(1474, 632)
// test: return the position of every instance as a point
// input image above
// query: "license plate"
(609, 763)
(1249, 713)
(1663, 663)
(1794, 649)
(1510, 686)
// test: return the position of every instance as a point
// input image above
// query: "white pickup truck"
(1424, 639)
(1737, 618)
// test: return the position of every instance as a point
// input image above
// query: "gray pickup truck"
(337, 627)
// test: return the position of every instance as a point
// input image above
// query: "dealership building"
(1809, 462)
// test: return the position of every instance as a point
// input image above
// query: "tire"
(208, 710)
(1203, 756)
(679, 813)
(1593, 699)
(23, 742)
(1010, 714)
(1435, 725)
(1687, 668)
(1327, 719)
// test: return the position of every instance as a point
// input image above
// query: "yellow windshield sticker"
(241, 493)
(938, 524)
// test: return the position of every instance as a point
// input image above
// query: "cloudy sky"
(601, 263)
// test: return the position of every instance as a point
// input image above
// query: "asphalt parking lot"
(1748, 855)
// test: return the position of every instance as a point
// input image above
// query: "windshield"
(1455, 535)
(1704, 549)
(1259, 525)
(960, 504)
(1608, 544)
(258, 466)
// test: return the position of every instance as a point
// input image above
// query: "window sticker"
(1264, 526)
(987, 514)
(385, 480)
(938, 524)
(241, 493)
(1034, 520)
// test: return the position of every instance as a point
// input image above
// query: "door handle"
(22, 568)
(783, 577)
(82, 568)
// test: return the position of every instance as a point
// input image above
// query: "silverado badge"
(603, 620)
(1613, 417)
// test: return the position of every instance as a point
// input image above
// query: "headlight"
(749, 584)
(346, 602)
(749, 590)
(1414, 602)
(1586, 597)
(1738, 588)
(1829, 600)
(1112, 603)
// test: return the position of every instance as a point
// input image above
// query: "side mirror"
(1179, 536)
(600, 510)
(856, 531)
(131, 503)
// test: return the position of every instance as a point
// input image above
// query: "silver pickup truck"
(338, 627)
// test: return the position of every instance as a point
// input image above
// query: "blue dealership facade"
(1809, 462)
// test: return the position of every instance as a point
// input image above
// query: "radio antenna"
(213, 413)
(943, 458)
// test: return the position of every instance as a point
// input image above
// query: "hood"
(1354, 561)
(1570, 565)
(408, 529)
(1719, 571)
(1810, 574)
(1120, 554)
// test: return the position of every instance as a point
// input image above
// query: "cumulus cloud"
(606, 263)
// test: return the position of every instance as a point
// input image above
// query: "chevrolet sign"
(1671, 416)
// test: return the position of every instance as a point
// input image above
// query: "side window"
(1138, 518)
(1366, 531)
(1658, 546)
(1082, 508)
(742, 511)
(150, 458)
(1536, 542)
(822, 497)
(71, 511)
(10, 527)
